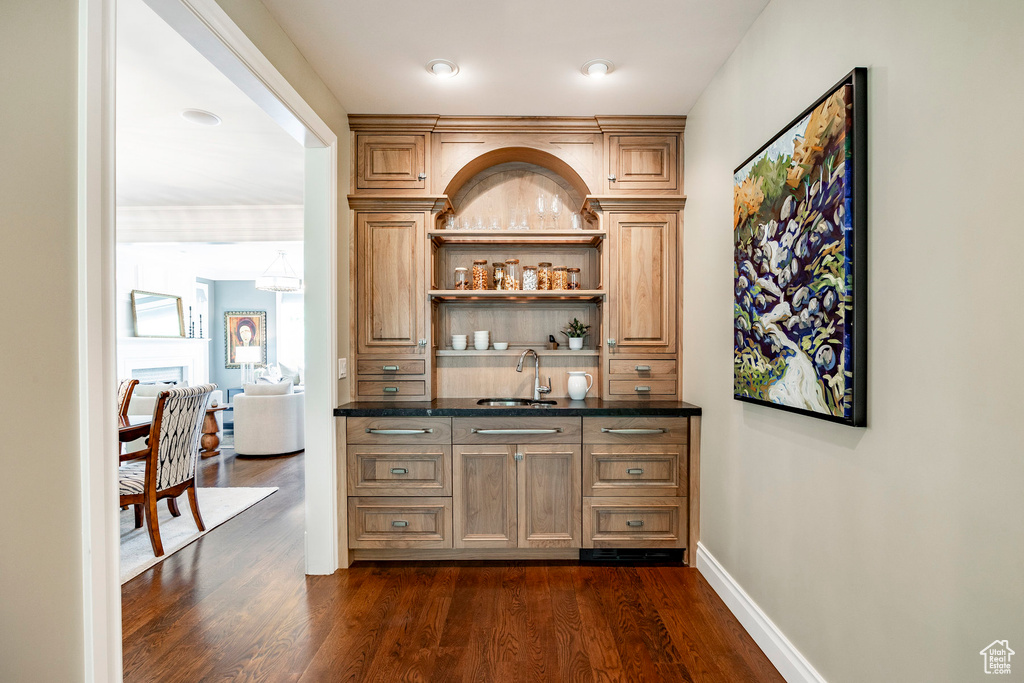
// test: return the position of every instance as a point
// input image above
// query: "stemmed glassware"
(540, 210)
(556, 209)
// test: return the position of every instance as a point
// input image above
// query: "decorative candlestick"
(200, 325)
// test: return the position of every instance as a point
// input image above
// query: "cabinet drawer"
(400, 522)
(407, 389)
(642, 387)
(635, 430)
(647, 470)
(634, 522)
(390, 162)
(399, 430)
(642, 369)
(423, 470)
(516, 430)
(390, 366)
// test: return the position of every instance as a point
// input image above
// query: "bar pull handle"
(631, 470)
(399, 522)
(398, 432)
(390, 368)
(641, 387)
(634, 522)
(553, 430)
(390, 390)
(638, 368)
(653, 430)
(401, 470)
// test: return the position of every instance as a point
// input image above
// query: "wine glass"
(556, 209)
(540, 210)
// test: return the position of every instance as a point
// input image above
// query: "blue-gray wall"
(237, 295)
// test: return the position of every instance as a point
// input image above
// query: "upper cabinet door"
(389, 283)
(643, 162)
(395, 162)
(643, 269)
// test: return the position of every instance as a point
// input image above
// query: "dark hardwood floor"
(236, 606)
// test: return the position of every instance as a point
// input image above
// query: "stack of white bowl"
(481, 340)
(459, 342)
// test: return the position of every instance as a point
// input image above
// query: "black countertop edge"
(464, 407)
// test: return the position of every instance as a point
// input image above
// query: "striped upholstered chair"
(166, 468)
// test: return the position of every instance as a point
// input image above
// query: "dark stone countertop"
(467, 407)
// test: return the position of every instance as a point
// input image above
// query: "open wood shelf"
(592, 295)
(516, 352)
(587, 238)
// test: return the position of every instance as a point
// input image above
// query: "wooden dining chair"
(166, 468)
(125, 388)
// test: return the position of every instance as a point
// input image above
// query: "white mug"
(578, 386)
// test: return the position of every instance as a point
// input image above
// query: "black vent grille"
(605, 555)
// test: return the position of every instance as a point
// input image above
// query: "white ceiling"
(516, 58)
(162, 159)
(216, 261)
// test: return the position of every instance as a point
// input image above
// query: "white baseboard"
(786, 658)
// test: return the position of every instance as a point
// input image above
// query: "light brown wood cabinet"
(643, 274)
(389, 283)
(643, 163)
(517, 495)
(393, 162)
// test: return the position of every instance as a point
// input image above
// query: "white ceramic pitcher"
(578, 386)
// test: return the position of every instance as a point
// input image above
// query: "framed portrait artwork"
(800, 262)
(245, 338)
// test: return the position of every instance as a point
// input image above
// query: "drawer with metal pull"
(405, 389)
(390, 366)
(641, 369)
(662, 389)
(634, 522)
(399, 522)
(515, 430)
(635, 430)
(399, 430)
(422, 470)
(634, 470)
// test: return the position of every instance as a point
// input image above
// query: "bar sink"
(513, 402)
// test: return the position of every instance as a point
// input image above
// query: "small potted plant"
(576, 331)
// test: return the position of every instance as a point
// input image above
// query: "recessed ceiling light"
(442, 68)
(597, 68)
(200, 117)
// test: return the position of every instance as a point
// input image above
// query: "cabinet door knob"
(634, 522)
(422, 176)
(519, 456)
(399, 522)
(611, 178)
(611, 342)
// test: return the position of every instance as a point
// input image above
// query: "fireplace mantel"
(134, 353)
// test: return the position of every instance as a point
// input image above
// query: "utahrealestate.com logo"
(997, 657)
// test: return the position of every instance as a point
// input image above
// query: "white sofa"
(269, 419)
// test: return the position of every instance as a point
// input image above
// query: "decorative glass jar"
(481, 275)
(572, 278)
(461, 278)
(530, 278)
(543, 275)
(512, 278)
(559, 279)
(499, 275)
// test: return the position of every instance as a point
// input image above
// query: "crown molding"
(236, 223)
(515, 124)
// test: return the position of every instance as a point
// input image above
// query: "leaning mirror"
(157, 315)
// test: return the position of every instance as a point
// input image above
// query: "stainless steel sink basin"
(513, 402)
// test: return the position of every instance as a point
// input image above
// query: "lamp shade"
(248, 354)
(279, 277)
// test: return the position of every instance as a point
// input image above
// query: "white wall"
(891, 553)
(41, 575)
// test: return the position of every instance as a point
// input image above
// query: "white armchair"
(269, 419)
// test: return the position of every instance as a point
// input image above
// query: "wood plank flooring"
(236, 606)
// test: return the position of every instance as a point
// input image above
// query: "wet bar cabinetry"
(623, 178)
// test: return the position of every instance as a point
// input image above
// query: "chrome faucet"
(538, 388)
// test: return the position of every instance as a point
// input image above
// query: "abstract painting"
(800, 262)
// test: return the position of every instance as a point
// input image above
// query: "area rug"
(217, 505)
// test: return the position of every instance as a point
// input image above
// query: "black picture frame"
(857, 132)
